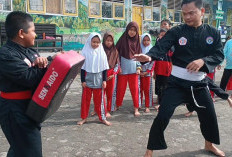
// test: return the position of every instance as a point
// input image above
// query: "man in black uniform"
(21, 69)
(198, 50)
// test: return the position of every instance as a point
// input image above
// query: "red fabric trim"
(21, 95)
(163, 68)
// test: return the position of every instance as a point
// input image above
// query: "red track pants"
(146, 88)
(110, 85)
(98, 99)
(132, 79)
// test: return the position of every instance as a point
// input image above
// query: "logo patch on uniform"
(28, 62)
(209, 40)
(182, 41)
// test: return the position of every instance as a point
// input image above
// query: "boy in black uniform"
(198, 50)
(214, 88)
(162, 70)
(21, 69)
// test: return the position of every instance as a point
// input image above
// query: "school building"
(75, 19)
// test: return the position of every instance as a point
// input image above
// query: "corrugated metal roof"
(137, 2)
(118, 1)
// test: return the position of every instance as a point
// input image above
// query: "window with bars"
(156, 10)
(174, 13)
(177, 16)
(207, 8)
(156, 14)
(147, 10)
(66, 7)
(148, 13)
(113, 9)
(95, 9)
(5, 5)
(206, 19)
(174, 4)
(107, 9)
(36, 6)
(119, 11)
(70, 7)
(171, 14)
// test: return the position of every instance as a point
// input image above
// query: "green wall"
(77, 29)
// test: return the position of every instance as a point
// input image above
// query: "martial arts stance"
(198, 50)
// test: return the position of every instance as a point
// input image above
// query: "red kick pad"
(54, 85)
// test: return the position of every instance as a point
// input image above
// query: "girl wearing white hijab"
(146, 74)
(93, 78)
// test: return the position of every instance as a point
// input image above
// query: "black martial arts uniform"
(190, 44)
(18, 79)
